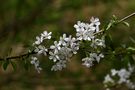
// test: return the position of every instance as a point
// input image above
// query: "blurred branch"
(19, 56)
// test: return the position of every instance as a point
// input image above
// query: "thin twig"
(19, 56)
(125, 18)
(119, 21)
(102, 30)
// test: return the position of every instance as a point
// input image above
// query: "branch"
(31, 53)
(119, 21)
(125, 18)
(19, 56)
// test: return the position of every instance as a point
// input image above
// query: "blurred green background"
(22, 20)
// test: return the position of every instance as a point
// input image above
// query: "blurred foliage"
(22, 20)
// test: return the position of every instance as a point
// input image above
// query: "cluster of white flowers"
(40, 49)
(88, 61)
(98, 43)
(87, 31)
(124, 77)
(61, 51)
(35, 62)
(40, 39)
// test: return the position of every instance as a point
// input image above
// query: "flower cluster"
(40, 49)
(88, 61)
(61, 51)
(86, 32)
(35, 62)
(123, 75)
(40, 39)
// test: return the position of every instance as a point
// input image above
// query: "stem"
(125, 18)
(19, 56)
(102, 30)
(119, 21)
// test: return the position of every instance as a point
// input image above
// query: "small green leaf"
(5, 64)
(13, 65)
(114, 17)
(109, 25)
(126, 24)
(132, 39)
(131, 48)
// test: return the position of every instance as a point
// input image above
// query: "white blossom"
(59, 66)
(41, 49)
(95, 21)
(38, 41)
(114, 72)
(74, 47)
(63, 40)
(73, 44)
(108, 79)
(35, 62)
(46, 35)
(56, 46)
(65, 53)
(124, 76)
(85, 31)
(96, 57)
(88, 62)
(54, 56)
(98, 43)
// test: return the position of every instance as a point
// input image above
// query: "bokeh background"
(22, 20)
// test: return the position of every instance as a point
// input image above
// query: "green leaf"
(131, 48)
(5, 64)
(132, 39)
(111, 23)
(13, 65)
(109, 26)
(114, 17)
(126, 23)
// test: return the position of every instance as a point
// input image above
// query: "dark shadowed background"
(22, 20)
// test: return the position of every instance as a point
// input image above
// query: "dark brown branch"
(19, 56)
